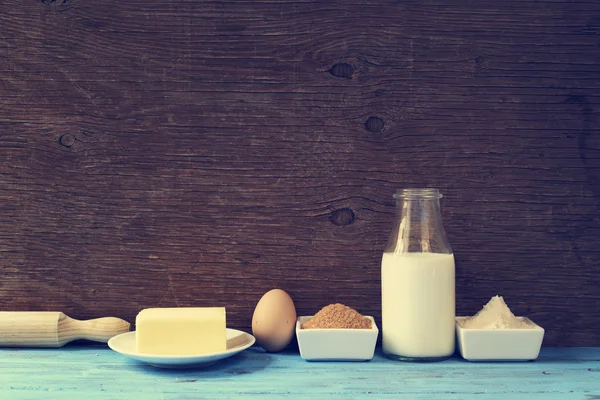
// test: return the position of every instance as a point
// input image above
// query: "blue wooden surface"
(94, 372)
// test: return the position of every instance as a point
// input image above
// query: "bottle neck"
(418, 226)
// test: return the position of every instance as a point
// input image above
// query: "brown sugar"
(337, 316)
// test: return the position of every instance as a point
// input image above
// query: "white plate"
(500, 344)
(236, 341)
(336, 344)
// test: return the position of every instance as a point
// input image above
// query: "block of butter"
(181, 331)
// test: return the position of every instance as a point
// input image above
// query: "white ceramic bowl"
(500, 344)
(336, 344)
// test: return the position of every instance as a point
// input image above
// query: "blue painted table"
(94, 372)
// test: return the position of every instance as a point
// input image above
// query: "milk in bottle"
(418, 281)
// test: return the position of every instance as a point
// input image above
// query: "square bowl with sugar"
(496, 334)
(336, 333)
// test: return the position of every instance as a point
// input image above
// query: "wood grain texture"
(98, 373)
(173, 153)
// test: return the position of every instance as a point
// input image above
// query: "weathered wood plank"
(177, 153)
(84, 372)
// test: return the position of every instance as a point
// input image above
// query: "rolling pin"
(54, 329)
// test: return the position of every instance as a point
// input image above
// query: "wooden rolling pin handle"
(97, 330)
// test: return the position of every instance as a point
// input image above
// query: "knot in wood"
(479, 60)
(466, 282)
(342, 217)
(342, 70)
(60, 2)
(374, 124)
(67, 140)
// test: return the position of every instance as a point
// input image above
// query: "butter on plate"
(181, 330)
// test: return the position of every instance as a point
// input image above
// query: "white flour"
(495, 315)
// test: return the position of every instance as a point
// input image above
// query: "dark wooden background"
(177, 153)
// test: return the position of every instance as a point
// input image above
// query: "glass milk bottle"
(417, 281)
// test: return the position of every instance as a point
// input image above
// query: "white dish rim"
(300, 320)
(534, 326)
(231, 334)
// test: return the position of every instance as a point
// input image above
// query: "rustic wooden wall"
(164, 153)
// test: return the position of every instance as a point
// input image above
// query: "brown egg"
(274, 320)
